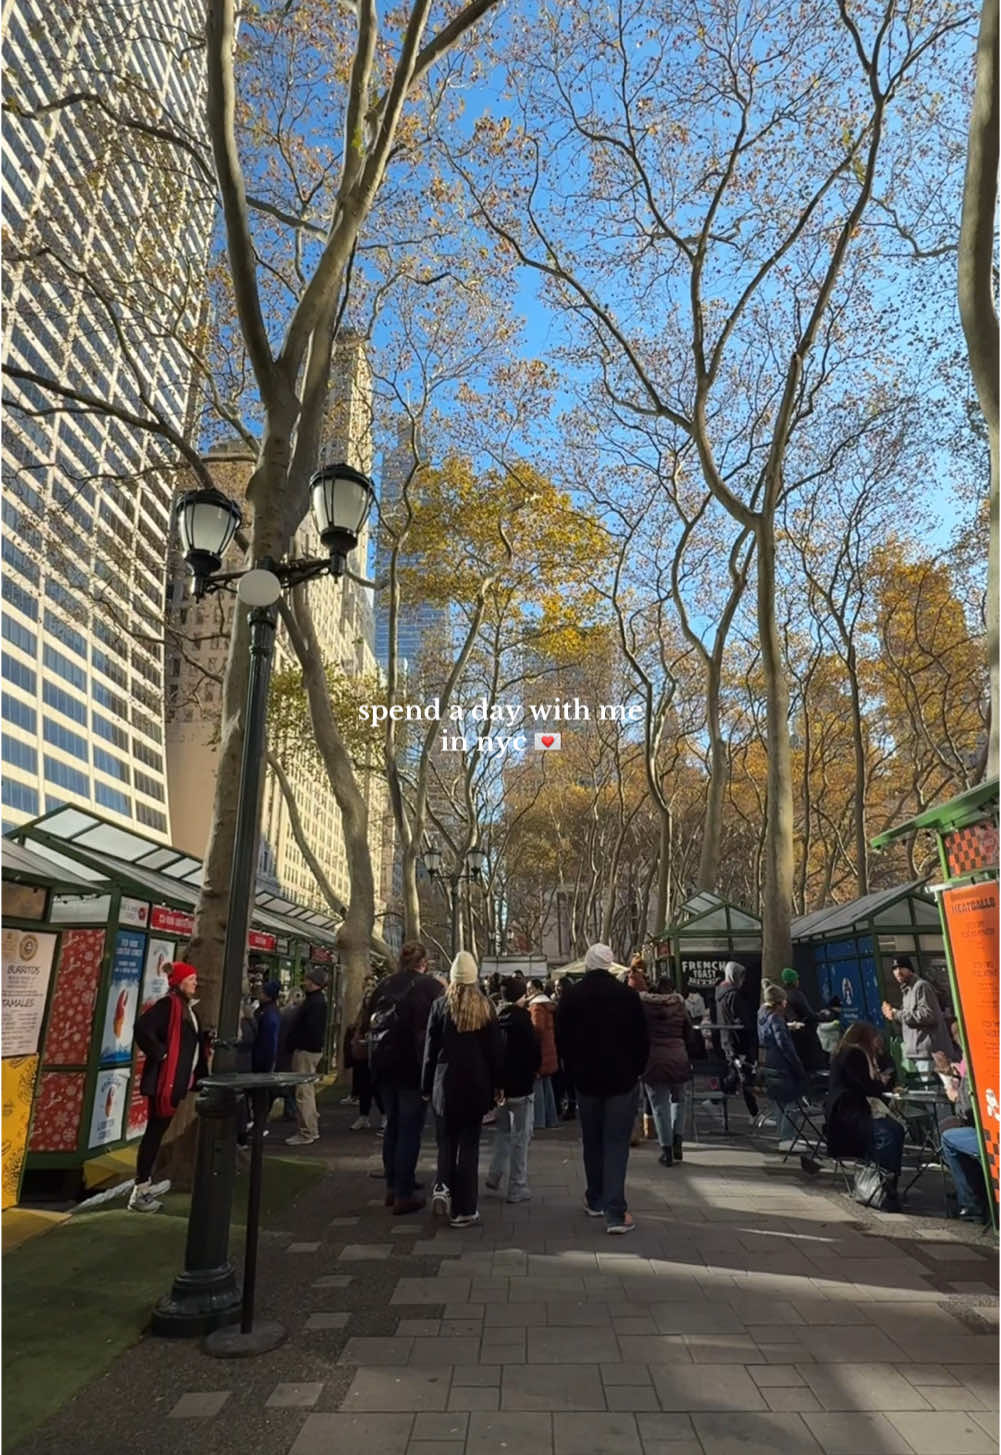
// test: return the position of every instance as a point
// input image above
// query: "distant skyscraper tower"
(418, 624)
(106, 240)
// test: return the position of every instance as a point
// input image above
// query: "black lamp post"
(433, 861)
(204, 1295)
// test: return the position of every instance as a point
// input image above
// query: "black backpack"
(390, 1037)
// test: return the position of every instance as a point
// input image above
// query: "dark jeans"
(563, 1090)
(606, 1124)
(405, 1110)
(459, 1163)
(961, 1153)
(150, 1144)
(366, 1092)
(886, 1143)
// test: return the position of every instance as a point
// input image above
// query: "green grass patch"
(77, 1297)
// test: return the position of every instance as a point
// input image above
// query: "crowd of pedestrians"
(606, 1048)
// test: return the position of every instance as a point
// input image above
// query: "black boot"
(891, 1202)
(676, 1149)
(666, 1157)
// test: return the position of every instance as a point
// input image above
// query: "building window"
(19, 796)
(17, 596)
(108, 763)
(146, 755)
(107, 730)
(19, 635)
(66, 669)
(52, 802)
(111, 669)
(61, 737)
(151, 817)
(19, 755)
(19, 675)
(65, 634)
(111, 798)
(66, 777)
(109, 699)
(54, 696)
(147, 725)
(150, 786)
(19, 562)
(18, 712)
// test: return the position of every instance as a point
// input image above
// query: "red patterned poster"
(71, 1016)
(58, 1109)
(138, 1105)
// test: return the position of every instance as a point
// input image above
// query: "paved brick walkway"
(753, 1311)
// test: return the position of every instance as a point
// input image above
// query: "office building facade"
(106, 242)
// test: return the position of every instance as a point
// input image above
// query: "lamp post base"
(199, 1302)
(236, 1344)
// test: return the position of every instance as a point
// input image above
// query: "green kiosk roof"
(945, 817)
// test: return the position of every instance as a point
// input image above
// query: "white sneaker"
(465, 1220)
(441, 1202)
(360, 1124)
(300, 1141)
(793, 1144)
(142, 1199)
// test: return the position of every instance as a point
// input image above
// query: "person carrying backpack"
(397, 1026)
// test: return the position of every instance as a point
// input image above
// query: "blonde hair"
(468, 1007)
(774, 997)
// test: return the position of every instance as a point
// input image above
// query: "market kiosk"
(119, 907)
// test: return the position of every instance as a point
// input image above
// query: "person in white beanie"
(601, 1034)
(462, 1076)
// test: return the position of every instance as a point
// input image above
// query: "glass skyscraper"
(106, 240)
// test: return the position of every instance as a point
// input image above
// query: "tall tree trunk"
(712, 827)
(779, 866)
(977, 306)
(861, 786)
(355, 933)
(664, 867)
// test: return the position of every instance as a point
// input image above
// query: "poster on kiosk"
(123, 997)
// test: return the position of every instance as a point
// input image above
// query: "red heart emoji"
(547, 742)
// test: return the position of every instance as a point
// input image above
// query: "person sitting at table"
(785, 1076)
(858, 1122)
(961, 1145)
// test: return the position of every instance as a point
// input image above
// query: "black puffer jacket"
(522, 1054)
(308, 1030)
(462, 1069)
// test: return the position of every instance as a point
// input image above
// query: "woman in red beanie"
(176, 1052)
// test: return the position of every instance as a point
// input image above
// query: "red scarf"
(164, 1101)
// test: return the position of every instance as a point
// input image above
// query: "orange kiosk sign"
(971, 916)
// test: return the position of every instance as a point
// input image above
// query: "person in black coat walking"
(516, 1114)
(177, 1056)
(462, 1076)
(601, 1035)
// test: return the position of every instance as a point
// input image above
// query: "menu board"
(19, 1073)
(27, 966)
(123, 996)
(110, 1096)
(971, 913)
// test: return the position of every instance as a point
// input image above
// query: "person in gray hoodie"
(737, 1034)
(920, 1018)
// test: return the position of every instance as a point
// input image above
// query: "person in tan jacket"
(543, 1013)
